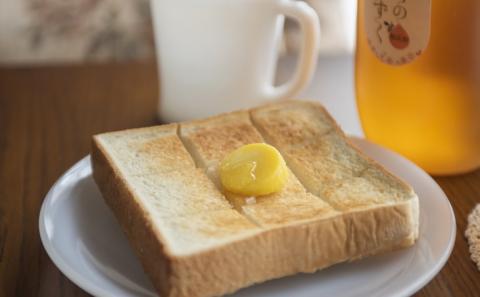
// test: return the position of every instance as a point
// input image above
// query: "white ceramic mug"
(220, 55)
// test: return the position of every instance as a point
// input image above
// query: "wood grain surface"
(47, 117)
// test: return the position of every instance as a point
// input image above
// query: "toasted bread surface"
(209, 141)
(147, 150)
(177, 197)
(195, 239)
(328, 164)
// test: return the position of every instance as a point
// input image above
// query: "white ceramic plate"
(83, 239)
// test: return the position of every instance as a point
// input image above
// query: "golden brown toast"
(196, 239)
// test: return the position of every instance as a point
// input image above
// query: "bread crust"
(267, 254)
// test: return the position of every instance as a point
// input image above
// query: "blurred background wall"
(72, 31)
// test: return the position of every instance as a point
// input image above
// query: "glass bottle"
(425, 106)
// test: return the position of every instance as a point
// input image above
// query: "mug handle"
(307, 60)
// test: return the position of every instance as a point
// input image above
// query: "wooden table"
(47, 116)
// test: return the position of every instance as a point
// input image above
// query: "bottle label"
(397, 30)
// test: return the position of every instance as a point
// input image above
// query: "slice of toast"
(195, 239)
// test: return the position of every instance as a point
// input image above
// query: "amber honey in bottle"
(418, 80)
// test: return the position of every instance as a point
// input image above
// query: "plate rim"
(72, 274)
(420, 282)
(95, 290)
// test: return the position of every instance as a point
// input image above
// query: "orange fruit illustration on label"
(397, 35)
